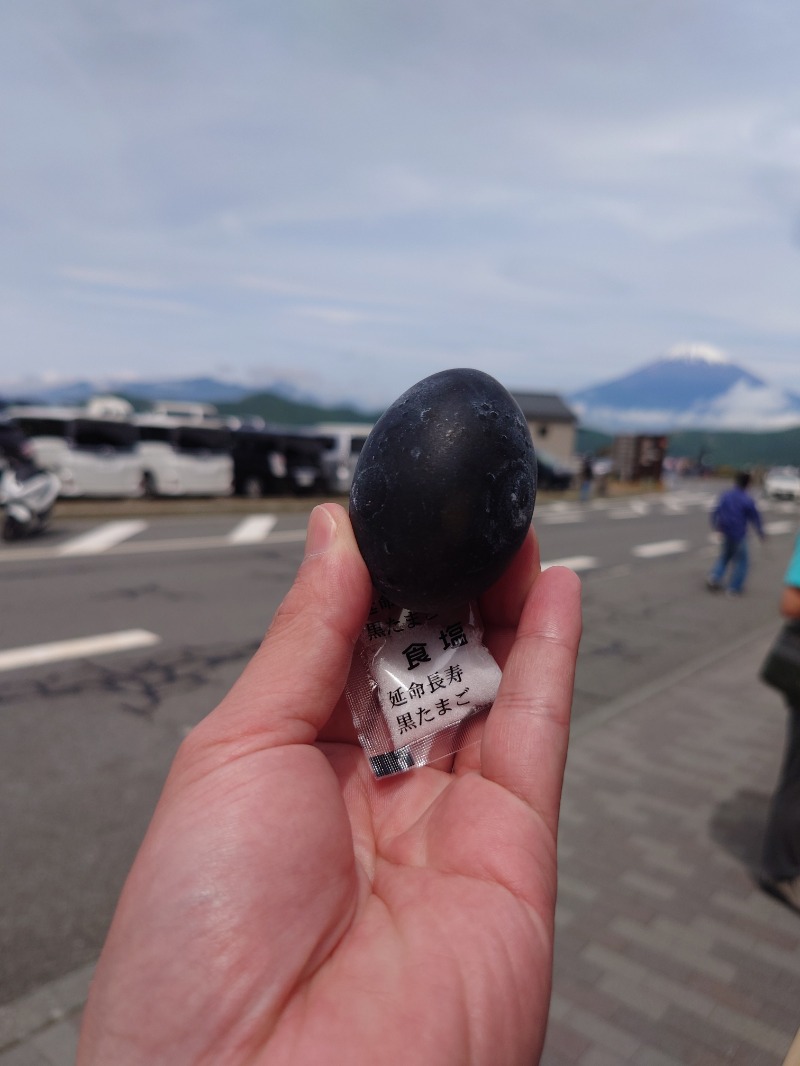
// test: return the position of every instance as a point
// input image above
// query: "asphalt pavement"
(667, 953)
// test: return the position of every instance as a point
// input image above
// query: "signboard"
(638, 458)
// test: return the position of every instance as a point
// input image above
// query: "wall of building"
(556, 438)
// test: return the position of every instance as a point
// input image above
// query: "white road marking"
(776, 528)
(252, 530)
(152, 547)
(561, 518)
(662, 547)
(573, 562)
(102, 537)
(58, 650)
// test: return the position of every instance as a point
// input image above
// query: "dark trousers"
(780, 858)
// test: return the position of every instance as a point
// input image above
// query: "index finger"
(501, 606)
(524, 745)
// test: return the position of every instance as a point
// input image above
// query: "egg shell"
(444, 490)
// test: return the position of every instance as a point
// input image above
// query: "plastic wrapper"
(419, 685)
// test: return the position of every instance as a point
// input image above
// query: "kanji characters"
(416, 654)
(406, 723)
(453, 636)
(435, 680)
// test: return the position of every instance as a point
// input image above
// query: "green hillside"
(592, 442)
(715, 448)
(739, 449)
(274, 408)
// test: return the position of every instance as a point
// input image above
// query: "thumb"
(290, 687)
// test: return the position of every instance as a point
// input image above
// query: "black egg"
(444, 489)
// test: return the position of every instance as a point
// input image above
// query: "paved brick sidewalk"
(666, 954)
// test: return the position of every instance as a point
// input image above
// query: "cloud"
(399, 186)
(746, 406)
(111, 279)
(705, 353)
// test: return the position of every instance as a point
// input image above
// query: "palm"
(299, 911)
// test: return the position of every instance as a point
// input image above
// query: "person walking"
(587, 476)
(734, 512)
(780, 860)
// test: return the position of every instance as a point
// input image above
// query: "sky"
(348, 195)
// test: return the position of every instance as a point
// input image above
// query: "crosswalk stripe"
(101, 538)
(776, 528)
(559, 519)
(253, 529)
(59, 650)
(662, 547)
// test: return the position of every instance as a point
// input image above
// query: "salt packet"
(420, 685)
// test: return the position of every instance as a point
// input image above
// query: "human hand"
(287, 908)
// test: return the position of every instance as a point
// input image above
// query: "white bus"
(92, 455)
(184, 450)
(342, 447)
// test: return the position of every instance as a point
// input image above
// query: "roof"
(544, 407)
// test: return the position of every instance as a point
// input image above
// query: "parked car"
(91, 455)
(184, 455)
(782, 483)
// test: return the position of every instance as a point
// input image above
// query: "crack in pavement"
(141, 685)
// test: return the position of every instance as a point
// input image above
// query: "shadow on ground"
(738, 824)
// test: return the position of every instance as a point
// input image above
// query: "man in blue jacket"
(735, 510)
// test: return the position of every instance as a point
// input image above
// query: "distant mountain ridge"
(694, 387)
(282, 402)
(199, 390)
(686, 391)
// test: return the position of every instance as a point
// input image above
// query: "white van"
(184, 450)
(342, 447)
(92, 455)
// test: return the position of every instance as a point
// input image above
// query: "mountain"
(199, 390)
(280, 402)
(693, 387)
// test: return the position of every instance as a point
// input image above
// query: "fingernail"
(321, 531)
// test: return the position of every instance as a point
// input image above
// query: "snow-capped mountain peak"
(696, 352)
(692, 386)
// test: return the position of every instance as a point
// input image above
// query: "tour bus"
(342, 447)
(91, 449)
(273, 460)
(184, 450)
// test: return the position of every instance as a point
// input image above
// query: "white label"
(432, 671)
